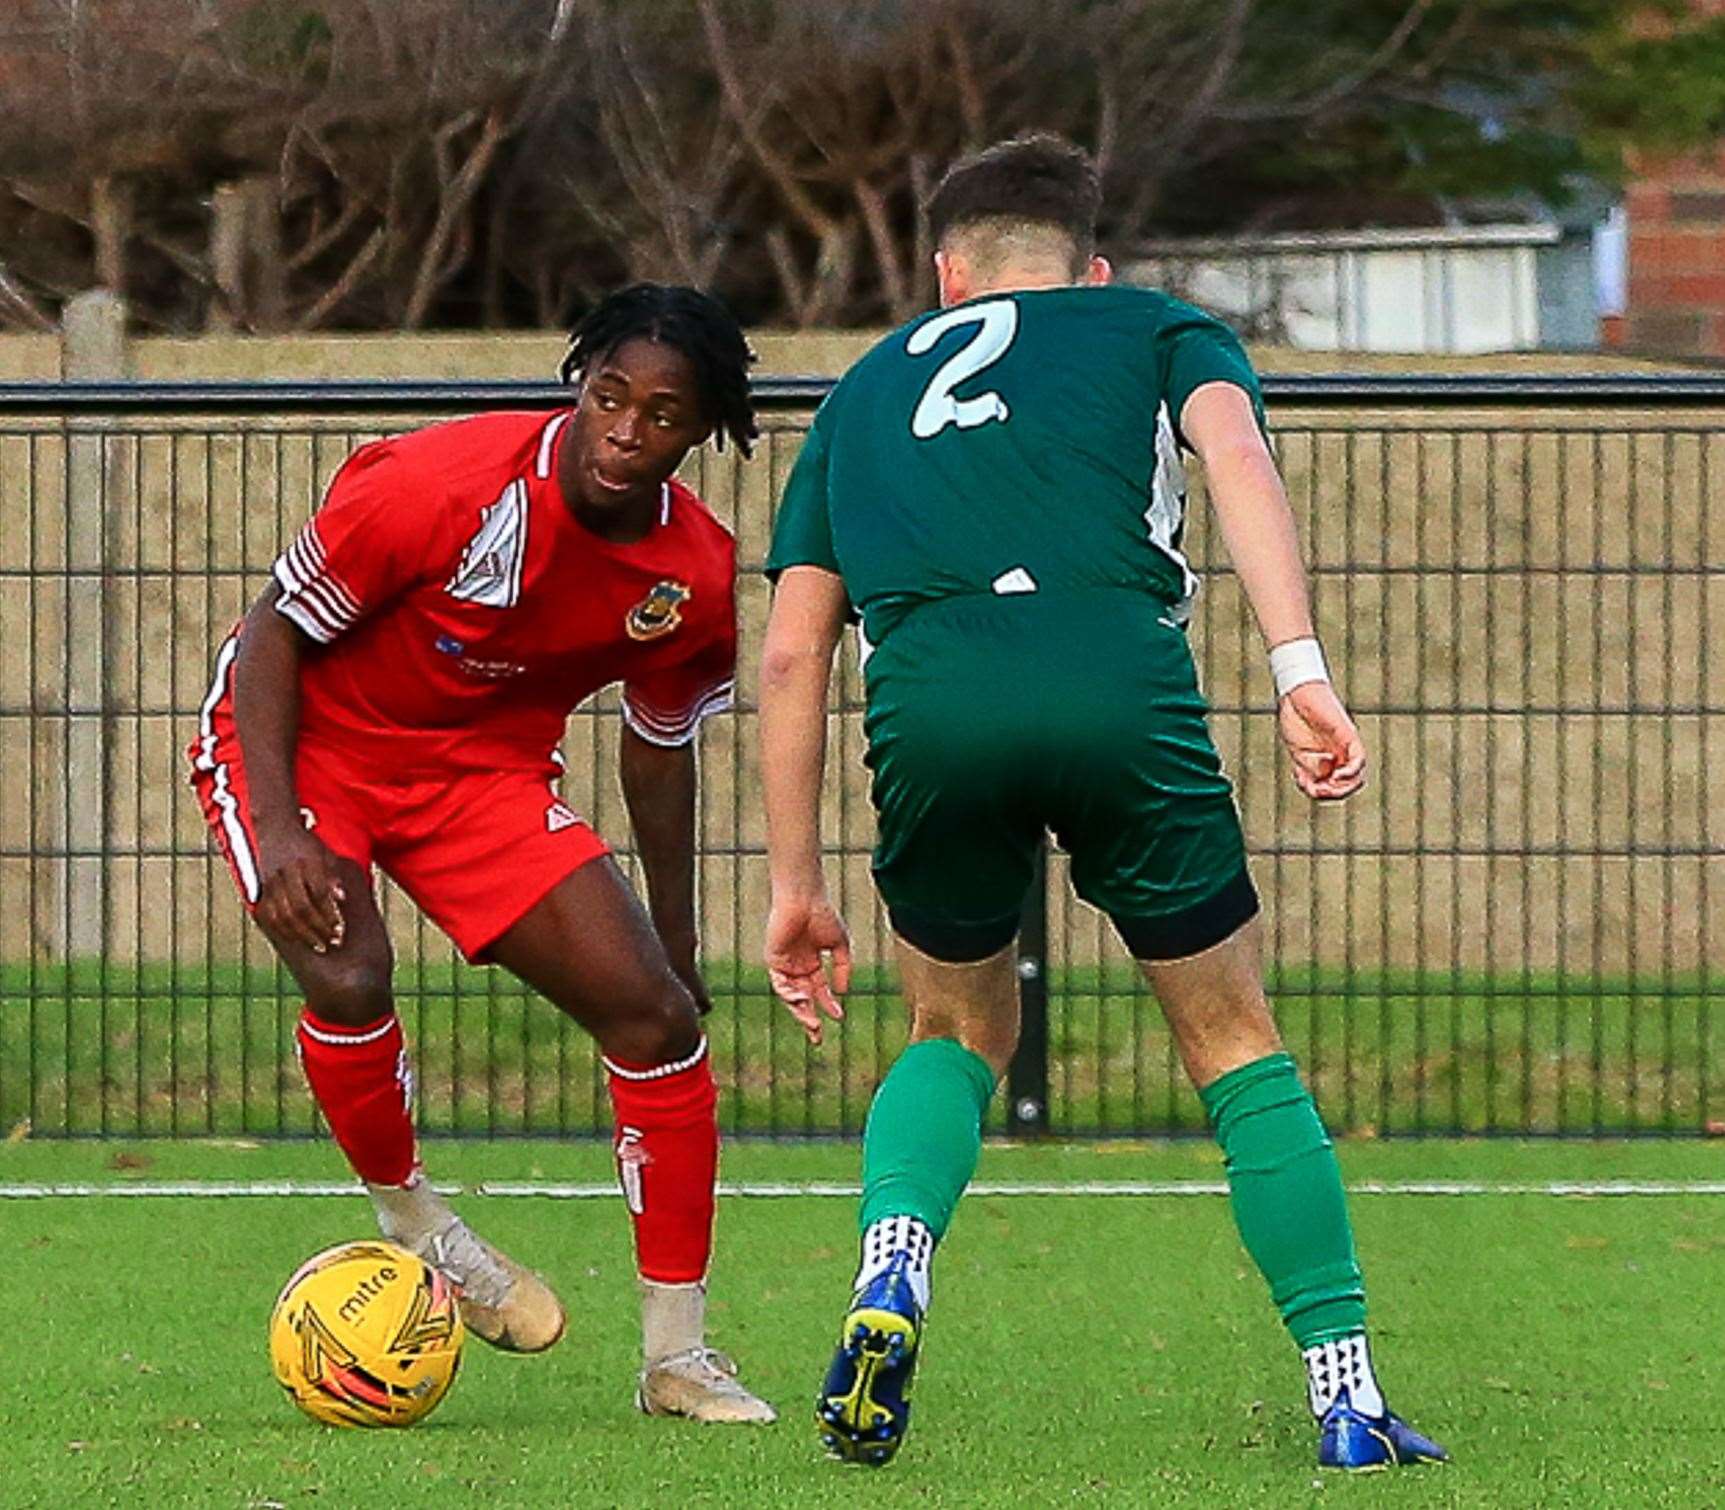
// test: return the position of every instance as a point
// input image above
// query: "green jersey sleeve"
(803, 531)
(1196, 349)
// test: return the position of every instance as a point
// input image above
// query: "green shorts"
(994, 720)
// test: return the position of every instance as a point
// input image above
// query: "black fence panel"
(1510, 931)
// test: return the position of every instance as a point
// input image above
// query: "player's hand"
(808, 954)
(299, 894)
(1328, 756)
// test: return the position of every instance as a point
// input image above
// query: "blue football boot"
(1361, 1443)
(863, 1409)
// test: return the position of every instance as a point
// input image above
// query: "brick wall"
(1677, 256)
(1676, 213)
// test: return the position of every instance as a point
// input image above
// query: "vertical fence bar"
(1528, 726)
(1706, 714)
(1459, 917)
(1632, 779)
(1349, 859)
(1027, 1074)
(1565, 574)
(1388, 726)
(1487, 569)
(1416, 706)
(37, 716)
(1598, 789)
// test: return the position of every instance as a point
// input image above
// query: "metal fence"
(1510, 931)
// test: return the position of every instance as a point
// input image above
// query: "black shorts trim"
(1174, 935)
(949, 942)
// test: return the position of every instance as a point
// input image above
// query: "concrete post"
(93, 347)
(93, 337)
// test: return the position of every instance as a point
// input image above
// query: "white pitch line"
(229, 1189)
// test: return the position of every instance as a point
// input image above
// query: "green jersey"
(1017, 443)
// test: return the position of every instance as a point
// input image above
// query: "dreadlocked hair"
(689, 321)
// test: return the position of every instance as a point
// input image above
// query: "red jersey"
(465, 610)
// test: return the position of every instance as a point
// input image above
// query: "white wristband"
(1296, 662)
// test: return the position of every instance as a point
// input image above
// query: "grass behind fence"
(164, 1051)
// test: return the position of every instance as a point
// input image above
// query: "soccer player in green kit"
(996, 491)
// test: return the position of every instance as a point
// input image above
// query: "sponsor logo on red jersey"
(490, 671)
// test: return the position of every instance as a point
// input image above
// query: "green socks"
(1286, 1191)
(924, 1133)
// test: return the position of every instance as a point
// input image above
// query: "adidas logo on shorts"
(559, 816)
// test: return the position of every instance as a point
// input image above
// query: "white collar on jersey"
(548, 442)
(548, 439)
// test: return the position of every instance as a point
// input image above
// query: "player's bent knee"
(351, 986)
(661, 1027)
(992, 1042)
(352, 997)
(975, 1002)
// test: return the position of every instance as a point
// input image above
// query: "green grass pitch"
(1087, 1349)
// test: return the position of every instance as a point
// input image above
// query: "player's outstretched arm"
(659, 791)
(299, 897)
(808, 952)
(1328, 756)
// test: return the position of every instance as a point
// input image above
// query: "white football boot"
(700, 1383)
(502, 1302)
(683, 1376)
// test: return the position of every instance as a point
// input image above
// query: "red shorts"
(475, 850)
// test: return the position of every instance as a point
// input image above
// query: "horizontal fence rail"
(1510, 931)
(1327, 390)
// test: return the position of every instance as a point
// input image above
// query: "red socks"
(362, 1083)
(667, 1133)
(668, 1161)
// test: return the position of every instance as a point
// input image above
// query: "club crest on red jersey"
(659, 612)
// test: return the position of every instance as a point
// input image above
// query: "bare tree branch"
(496, 158)
(748, 122)
(332, 297)
(1198, 108)
(895, 285)
(1343, 85)
(18, 299)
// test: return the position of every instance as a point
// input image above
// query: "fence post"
(1027, 1075)
(92, 347)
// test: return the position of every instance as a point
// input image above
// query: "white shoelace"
(706, 1365)
(459, 1253)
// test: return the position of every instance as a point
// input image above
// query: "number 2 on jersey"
(997, 323)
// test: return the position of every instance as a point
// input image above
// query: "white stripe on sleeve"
(295, 609)
(326, 599)
(311, 596)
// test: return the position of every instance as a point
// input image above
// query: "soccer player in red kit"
(395, 699)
